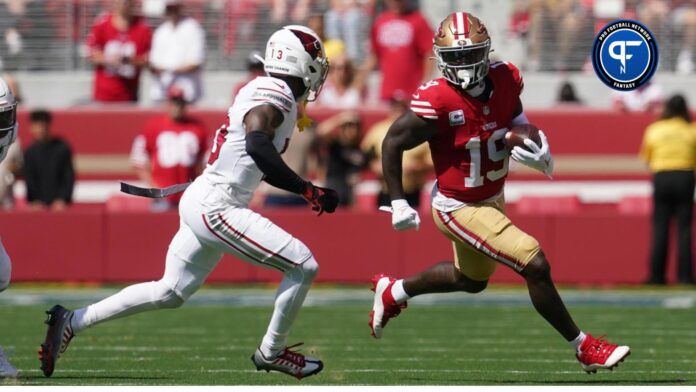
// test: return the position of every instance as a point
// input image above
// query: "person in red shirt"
(171, 149)
(401, 42)
(118, 43)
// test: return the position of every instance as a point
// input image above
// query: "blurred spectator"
(119, 43)
(11, 44)
(559, 33)
(295, 11)
(343, 90)
(178, 53)
(646, 98)
(300, 156)
(171, 149)
(669, 146)
(567, 95)
(254, 67)
(417, 163)
(332, 46)
(685, 21)
(341, 135)
(348, 21)
(401, 43)
(48, 167)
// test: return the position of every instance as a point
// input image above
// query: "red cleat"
(384, 306)
(600, 354)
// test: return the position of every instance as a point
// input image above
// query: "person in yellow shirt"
(669, 147)
(417, 163)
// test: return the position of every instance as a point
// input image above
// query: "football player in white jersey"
(8, 134)
(215, 217)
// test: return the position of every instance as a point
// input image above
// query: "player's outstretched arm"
(260, 124)
(407, 132)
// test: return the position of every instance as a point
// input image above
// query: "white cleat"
(289, 362)
(6, 369)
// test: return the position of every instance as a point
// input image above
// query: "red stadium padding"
(581, 131)
(592, 246)
(548, 205)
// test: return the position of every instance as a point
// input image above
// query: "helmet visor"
(8, 117)
(463, 56)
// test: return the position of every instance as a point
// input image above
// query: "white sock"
(181, 279)
(131, 300)
(289, 299)
(399, 293)
(575, 343)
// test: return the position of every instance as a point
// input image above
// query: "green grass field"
(496, 338)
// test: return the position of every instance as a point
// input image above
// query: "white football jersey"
(229, 166)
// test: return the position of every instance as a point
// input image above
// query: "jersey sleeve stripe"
(429, 117)
(277, 91)
(274, 103)
(423, 111)
(421, 103)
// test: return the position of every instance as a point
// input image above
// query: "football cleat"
(598, 353)
(57, 339)
(384, 306)
(289, 362)
(6, 368)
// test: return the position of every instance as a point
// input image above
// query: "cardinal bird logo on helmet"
(310, 43)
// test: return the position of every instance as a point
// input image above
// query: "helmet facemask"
(317, 77)
(464, 66)
(8, 127)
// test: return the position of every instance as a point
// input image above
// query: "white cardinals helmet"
(297, 51)
(8, 118)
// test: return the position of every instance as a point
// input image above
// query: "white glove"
(403, 216)
(539, 158)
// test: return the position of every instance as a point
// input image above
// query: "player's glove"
(539, 158)
(403, 216)
(321, 199)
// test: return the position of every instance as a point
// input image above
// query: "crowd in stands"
(558, 34)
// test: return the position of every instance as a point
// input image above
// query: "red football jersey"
(172, 150)
(468, 149)
(118, 83)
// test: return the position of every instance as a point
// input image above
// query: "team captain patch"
(457, 118)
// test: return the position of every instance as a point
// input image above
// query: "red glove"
(321, 199)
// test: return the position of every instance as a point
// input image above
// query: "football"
(516, 135)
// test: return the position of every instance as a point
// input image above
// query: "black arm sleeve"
(260, 147)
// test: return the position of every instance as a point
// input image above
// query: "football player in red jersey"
(464, 116)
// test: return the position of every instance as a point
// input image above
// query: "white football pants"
(209, 228)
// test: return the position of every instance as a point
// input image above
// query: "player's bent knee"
(310, 269)
(476, 286)
(538, 268)
(166, 297)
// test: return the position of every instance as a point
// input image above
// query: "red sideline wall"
(579, 131)
(594, 246)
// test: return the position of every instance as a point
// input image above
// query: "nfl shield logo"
(457, 118)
